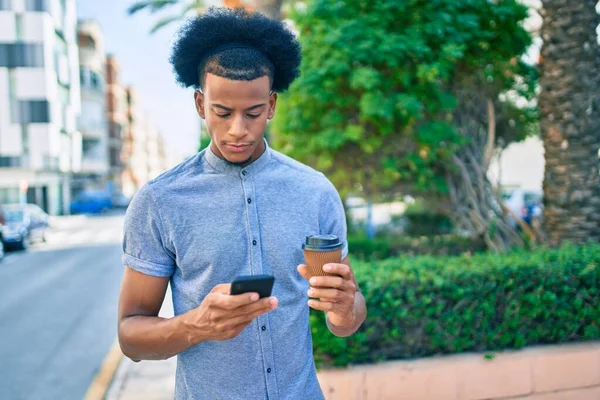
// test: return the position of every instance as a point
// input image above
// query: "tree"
(186, 8)
(570, 119)
(404, 97)
(271, 8)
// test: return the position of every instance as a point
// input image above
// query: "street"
(58, 308)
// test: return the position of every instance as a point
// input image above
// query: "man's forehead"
(217, 85)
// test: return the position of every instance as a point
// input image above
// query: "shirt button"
(254, 242)
(264, 328)
(244, 172)
(249, 201)
(268, 370)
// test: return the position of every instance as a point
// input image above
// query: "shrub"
(428, 306)
(392, 246)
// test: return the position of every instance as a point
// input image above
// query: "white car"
(526, 204)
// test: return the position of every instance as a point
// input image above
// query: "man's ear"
(199, 100)
(272, 105)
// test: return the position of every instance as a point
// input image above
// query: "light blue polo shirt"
(207, 221)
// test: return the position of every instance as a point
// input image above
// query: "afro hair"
(235, 44)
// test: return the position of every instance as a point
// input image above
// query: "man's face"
(236, 114)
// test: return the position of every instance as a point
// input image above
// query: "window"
(115, 158)
(10, 161)
(5, 4)
(82, 76)
(37, 5)
(32, 111)
(13, 55)
(95, 80)
(51, 163)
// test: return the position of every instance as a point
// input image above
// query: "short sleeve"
(144, 248)
(332, 218)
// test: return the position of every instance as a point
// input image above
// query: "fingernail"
(253, 297)
(313, 281)
(327, 267)
(310, 293)
(273, 303)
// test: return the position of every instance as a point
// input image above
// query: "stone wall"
(563, 372)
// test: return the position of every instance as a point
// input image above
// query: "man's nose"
(238, 126)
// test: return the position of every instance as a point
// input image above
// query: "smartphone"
(261, 284)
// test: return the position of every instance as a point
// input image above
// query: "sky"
(144, 65)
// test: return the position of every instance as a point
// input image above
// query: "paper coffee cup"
(320, 250)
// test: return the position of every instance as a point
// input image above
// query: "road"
(58, 309)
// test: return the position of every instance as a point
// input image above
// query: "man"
(236, 208)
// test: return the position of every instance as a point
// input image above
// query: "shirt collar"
(223, 166)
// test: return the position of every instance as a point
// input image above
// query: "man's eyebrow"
(254, 107)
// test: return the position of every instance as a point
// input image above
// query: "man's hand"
(336, 295)
(222, 316)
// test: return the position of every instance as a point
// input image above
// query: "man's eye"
(253, 116)
(223, 115)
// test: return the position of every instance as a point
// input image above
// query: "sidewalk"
(146, 380)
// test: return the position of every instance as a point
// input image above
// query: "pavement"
(58, 307)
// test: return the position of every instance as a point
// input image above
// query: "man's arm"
(145, 336)
(142, 334)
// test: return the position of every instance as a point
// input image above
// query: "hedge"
(390, 246)
(427, 305)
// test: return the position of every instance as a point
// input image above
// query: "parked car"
(119, 200)
(91, 202)
(526, 204)
(24, 224)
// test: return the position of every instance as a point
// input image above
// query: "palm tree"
(271, 8)
(186, 8)
(570, 119)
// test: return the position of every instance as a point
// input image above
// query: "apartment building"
(117, 120)
(92, 121)
(144, 150)
(40, 146)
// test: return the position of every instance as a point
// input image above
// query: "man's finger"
(336, 282)
(328, 294)
(322, 305)
(229, 302)
(339, 269)
(224, 288)
(269, 303)
(303, 271)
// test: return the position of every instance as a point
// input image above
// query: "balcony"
(93, 131)
(94, 166)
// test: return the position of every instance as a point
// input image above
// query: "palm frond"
(192, 6)
(152, 5)
(166, 21)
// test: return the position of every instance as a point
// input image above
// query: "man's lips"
(237, 147)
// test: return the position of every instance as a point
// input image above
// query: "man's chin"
(239, 158)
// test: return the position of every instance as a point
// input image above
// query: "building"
(143, 149)
(117, 121)
(92, 121)
(40, 146)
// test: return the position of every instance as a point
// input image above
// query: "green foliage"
(373, 106)
(426, 306)
(204, 141)
(381, 248)
(422, 219)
